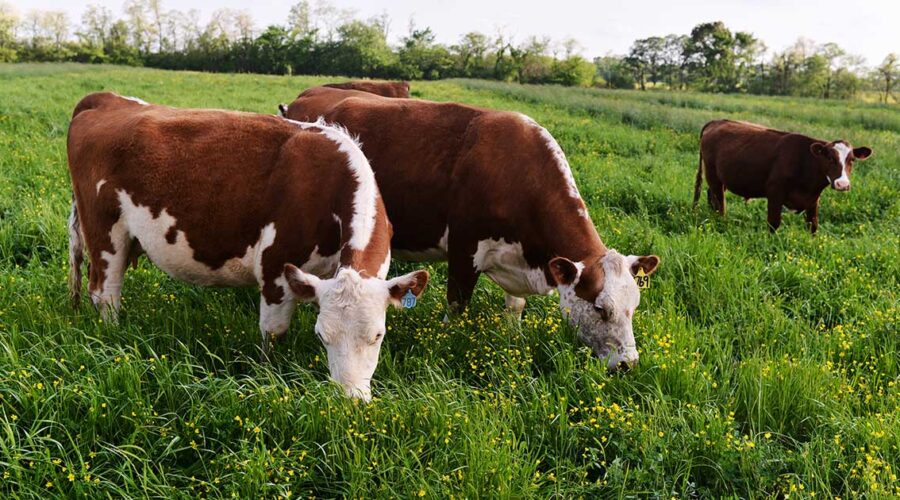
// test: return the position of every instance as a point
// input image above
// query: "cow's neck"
(577, 241)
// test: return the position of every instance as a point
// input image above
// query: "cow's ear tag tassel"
(409, 300)
(642, 279)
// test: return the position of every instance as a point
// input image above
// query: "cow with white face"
(492, 193)
(787, 168)
(220, 198)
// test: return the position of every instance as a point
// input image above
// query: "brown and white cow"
(490, 192)
(237, 199)
(788, 169)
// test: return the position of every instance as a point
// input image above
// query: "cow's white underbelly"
(177, 259)
(505, 264)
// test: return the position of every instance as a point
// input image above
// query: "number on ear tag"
(642, 279)
(409, 300)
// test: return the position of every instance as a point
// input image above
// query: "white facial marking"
(177, 259)
(351, 317)
(437, 253)
(505, 264)
(561, 162)
(842, 183)
(135, 99)
(100, 184)
(364, 199)
(613, 338)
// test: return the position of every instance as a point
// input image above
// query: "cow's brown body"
(474, 174)
(241, 194)
(384, 89)
(790, 170)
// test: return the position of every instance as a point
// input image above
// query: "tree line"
(319, 38)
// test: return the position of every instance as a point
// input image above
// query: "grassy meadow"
(770, 364)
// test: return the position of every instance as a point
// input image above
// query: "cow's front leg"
(515, 306)
(462, 279)
(776, 202)
(274, 321)
(812, 217)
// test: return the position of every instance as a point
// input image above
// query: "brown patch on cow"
(591, 282)
(484, 174)
(384, 89)
(172, 235)
(754, 161)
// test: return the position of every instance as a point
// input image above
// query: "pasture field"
(770, 364)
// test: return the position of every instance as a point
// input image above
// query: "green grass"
(770, 365)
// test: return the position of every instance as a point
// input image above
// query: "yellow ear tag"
(642, 279)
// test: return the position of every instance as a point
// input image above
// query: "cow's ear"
(564, 271)
(282, 110)
(862, 153)
(414, 282)
(819, 149)
(648, 263)
(303, 285)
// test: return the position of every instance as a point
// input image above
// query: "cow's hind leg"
(107, 272)
(274, 321)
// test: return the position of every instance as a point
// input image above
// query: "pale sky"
(870, 28)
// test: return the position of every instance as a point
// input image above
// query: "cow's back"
(413, 146)
(742, 154)
(216, 179)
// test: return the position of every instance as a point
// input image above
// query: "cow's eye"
(378, 336)
(604, 313)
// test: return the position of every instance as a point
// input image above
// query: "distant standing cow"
(237, 199)
(491, 192)
(788, 169)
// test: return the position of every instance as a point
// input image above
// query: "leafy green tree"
(9, 20)
(711, 51)
(613, 73)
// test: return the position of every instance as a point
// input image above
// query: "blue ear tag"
(409, 300)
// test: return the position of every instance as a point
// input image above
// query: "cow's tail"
(76, 255)
(698, 182)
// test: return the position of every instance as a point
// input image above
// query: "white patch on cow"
(505, 264)
(275, 319)
(136, 99)
(177, 259)
(364, 199)
(100, 184)
(842, 183)
(612, 339)
(561, 162)
(323, 266)
(436, 253)
(107, 298)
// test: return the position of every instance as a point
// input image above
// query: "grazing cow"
(788, 169)
(237, 199)
(491, 192)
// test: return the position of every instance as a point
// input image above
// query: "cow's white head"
(599, 298)
(835, 161)
(351, 319)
